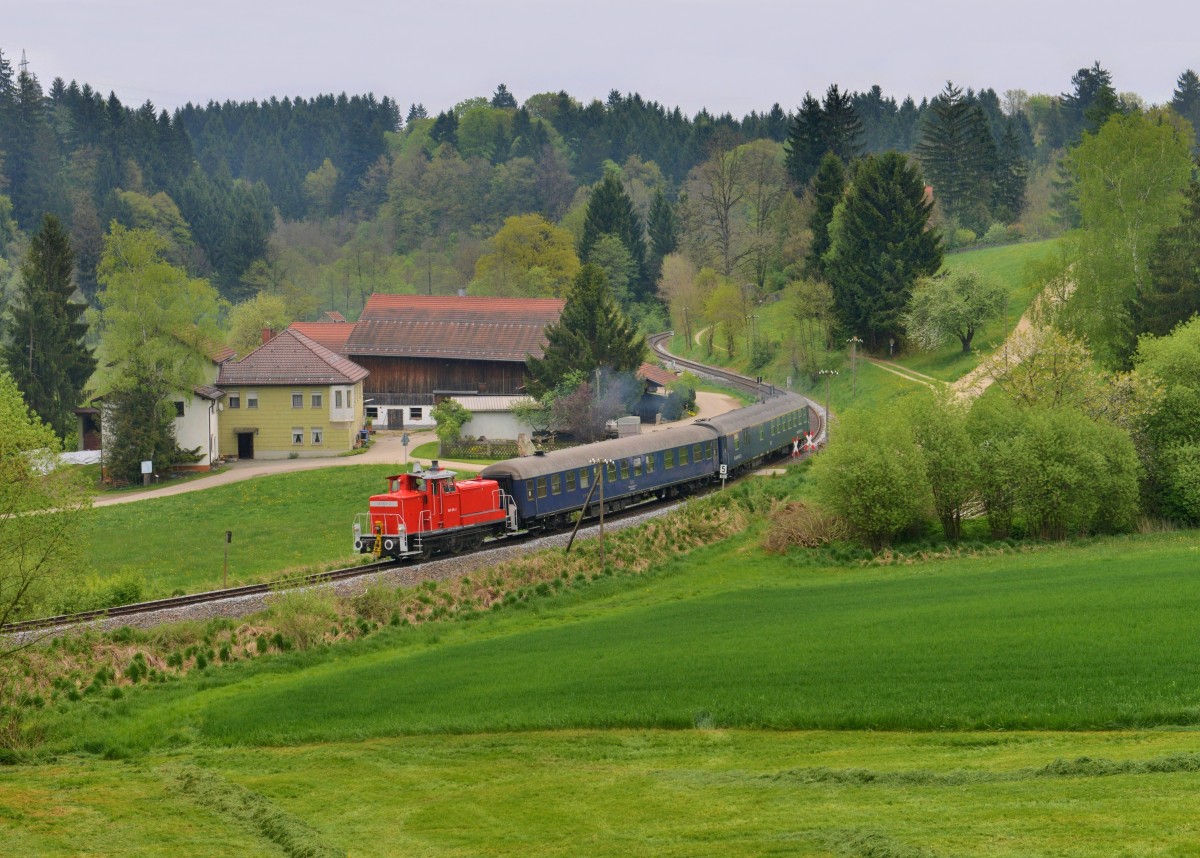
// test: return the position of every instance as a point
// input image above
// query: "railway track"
(658, 344)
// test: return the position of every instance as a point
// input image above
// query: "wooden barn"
(421, 349)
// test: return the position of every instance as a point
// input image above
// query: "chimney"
(462, 291)
(267, 335)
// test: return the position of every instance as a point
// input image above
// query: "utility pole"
(750, 317)
(827, 373)
(687, 327)
(854, 344)
(601, 476)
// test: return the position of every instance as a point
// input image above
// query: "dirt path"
(904, 372)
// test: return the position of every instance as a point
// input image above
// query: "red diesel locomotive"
(430, 512)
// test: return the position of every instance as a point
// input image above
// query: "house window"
(318, 400)
(349, 398)
(252, 399)
(318, 435)
(297, 400)
(297, 434)
(178, 408)
(414, 414)
(337, 399)
(235, 400)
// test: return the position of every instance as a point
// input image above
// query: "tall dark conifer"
(664, 233)
(829, 187)
(45, 354)
(958, 155)
(610, 211)
(591, 334)
(805, 144)
(882, 245)
(1174, 293)
(1185, 100)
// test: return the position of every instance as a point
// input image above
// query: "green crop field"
(735, 703)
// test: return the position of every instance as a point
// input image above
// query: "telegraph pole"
(601, 475)
(854, 344)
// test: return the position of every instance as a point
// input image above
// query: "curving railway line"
(657, 344)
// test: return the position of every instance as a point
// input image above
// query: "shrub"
(799, 525)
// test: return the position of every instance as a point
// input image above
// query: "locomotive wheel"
(455, 545)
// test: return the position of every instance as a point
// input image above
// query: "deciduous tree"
(528, 257)
(954, 304)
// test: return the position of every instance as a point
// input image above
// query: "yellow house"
(291, 397)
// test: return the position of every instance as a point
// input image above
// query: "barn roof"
(332, 335)
(291, 358)
(656, 374)
(464, 328)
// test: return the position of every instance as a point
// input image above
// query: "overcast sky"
(735, 55)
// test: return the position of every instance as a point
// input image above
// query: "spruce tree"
(610, 211)
(45, 354)
(843, 129)
(881, 245)
(664, 233)
(1012, 172)
(958, 156)
(591, 334)
(805, 144)
(1185, 100)
(1090, 103)
(1174, 293)
(503, 98)
(829, 187)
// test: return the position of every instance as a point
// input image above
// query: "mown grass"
(279, 522)
(1094, 637)
(619, 792)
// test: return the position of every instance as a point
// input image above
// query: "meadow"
(1028, 701)
(281, 523)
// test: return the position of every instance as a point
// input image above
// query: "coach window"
(612, 472)
(570, 481)
(737, 442)
(584, 476)
(637, 466)
(541, 487)
(696, 453)
(650, 464)
(683, 457)
(624, 469)
(555, 484)
(668, 459)
(762, 434)
(529, 489)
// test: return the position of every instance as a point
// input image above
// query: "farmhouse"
(420, 349)
(291, 397)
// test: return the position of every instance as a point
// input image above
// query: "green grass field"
(282, 522)
(674, 714)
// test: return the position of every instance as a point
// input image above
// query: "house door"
(395, 418)
(245, 445)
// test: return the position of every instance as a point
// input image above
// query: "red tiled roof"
(290, 358)
(658, 375)
(332, 335)
(465, 328)
(333, 316)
